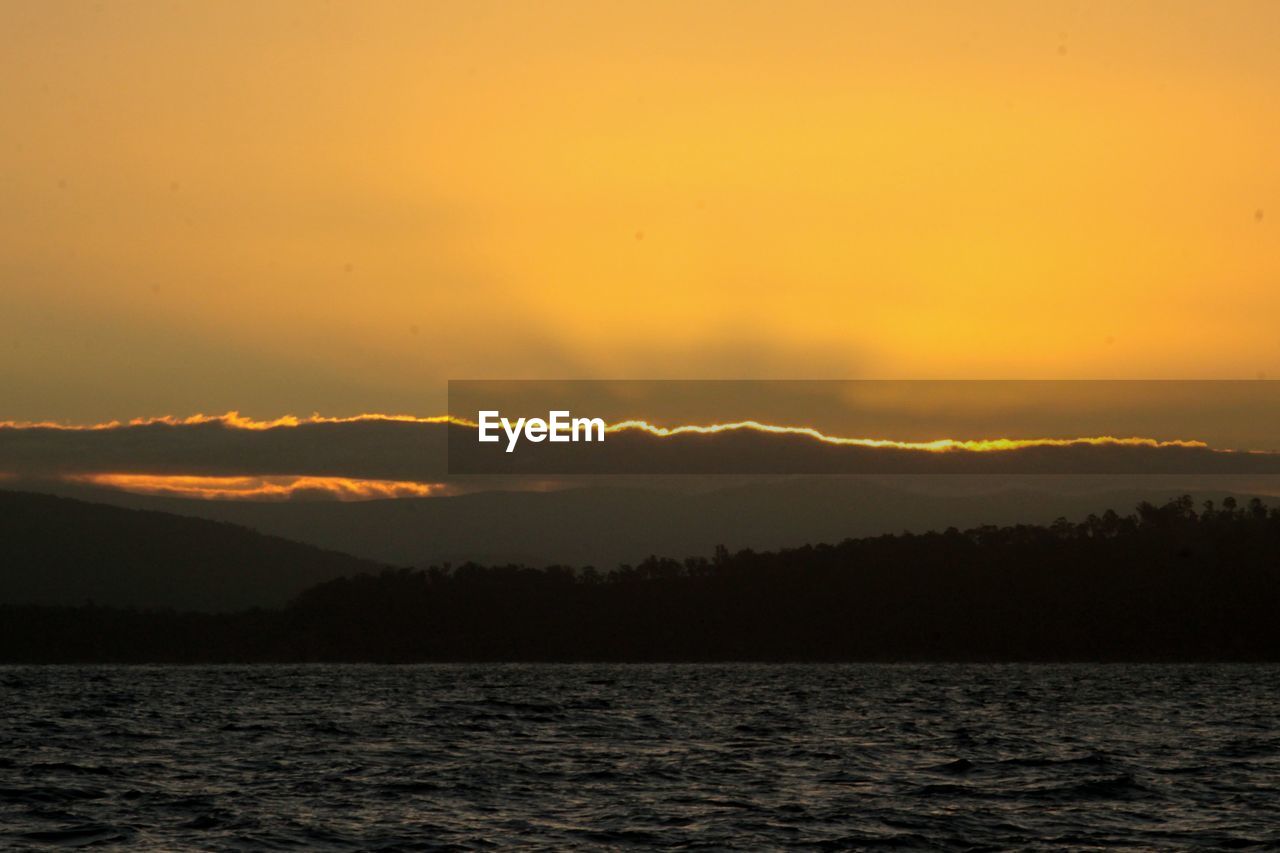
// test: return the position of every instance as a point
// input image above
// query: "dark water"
(615, 756)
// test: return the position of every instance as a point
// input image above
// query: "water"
(839, 757)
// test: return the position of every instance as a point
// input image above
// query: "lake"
(559, 756)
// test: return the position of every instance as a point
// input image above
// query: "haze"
(335, 207)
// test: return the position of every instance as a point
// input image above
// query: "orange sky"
(294, 207)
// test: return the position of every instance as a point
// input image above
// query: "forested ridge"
(1170, 582)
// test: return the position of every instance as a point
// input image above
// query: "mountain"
(56, 550)
(609, 525)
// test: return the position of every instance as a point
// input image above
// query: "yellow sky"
(290, 207)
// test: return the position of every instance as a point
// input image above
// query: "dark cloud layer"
(375, 449)
(748, 451)
(430, 452)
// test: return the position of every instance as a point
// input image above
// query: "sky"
(337, 207)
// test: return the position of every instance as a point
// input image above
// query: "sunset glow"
(295, 206)
(234, 420)
(404, 404)
(261, 488)
(942, 445)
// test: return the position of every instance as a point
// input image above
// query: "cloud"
(379, 455)
(373, 447)
(261, 488)
(764, 449)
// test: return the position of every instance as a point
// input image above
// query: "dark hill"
(62, 551)
(1167, 583)
(609, 523)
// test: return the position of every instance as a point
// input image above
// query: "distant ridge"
(61, 551)
(608, 524)
(1174, 582)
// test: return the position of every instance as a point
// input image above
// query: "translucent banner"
(523, 427)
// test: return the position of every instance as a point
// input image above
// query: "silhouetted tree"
(1165, 583)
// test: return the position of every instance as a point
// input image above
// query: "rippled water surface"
(749, 756)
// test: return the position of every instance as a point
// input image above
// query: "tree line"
(1167, 582)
